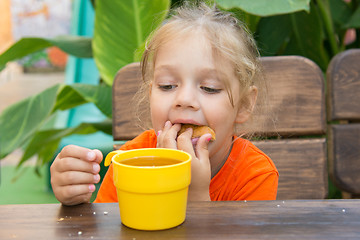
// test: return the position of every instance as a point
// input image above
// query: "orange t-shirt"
(248, 174)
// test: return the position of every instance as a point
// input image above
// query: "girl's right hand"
(74, 172)
(200, 164)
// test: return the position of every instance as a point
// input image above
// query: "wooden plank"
(296, 96)
(344, 156)
(302, 166)
(306, 219)
(343, 77)
(126, 83)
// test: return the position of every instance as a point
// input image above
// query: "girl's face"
(188, 88)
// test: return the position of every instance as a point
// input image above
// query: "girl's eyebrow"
(206, 71)
(217, 74)
(209, 71)
(165, 68)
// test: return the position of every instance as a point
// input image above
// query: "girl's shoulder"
(147, 139)
(247, 153)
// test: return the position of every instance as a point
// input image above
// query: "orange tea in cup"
(152, 186)
(150, 161)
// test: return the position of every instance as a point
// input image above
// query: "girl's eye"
(210, 90)
(167, 87)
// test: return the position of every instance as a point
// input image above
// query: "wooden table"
(291, 219)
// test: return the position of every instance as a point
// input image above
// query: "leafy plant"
(121, 27)
(315, 29)
(318, 33)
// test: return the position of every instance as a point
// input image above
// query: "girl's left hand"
(200, 164)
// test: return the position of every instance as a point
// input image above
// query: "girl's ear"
(247, 105)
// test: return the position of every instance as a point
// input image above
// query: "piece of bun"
(198, 131)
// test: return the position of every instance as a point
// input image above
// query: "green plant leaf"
(22, 48)
(74, 45)
(77, 94)
(77, 46)
(308, 37)
(45, 155)
(68, 98)
(251, 21)
(100, 95)
(340, 12)
(45, 143)
(266, 7)
(120, 28)
(354, 21)
(270, 39)
(19, 121)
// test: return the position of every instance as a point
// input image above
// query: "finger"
(168, 135)
(162, 133)
(165, 130)
(202, 148)
(158, 139)
(78, 152)
(167, 126)
(74, 164)
(184, 142)
(170, 131)
(85, 198)
(75, 194)
(99, 156)
(74, 178)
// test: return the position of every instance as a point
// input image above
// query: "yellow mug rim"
(118, 152)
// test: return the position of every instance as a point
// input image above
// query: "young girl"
(201, 67)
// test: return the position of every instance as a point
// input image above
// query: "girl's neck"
(219, 159)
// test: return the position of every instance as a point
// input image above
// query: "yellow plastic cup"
(152, 186)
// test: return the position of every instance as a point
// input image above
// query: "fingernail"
(91, 155)
(208, 138)
(167, 123)
(158, 133)
(92, 188)
(96, 168)
(96, 178)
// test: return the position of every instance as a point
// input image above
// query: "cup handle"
(108, 157)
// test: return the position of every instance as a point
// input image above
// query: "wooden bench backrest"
(343, 77)
(297, 99)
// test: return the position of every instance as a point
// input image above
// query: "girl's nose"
(186, 97)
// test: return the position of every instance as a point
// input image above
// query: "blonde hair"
(229, 39)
